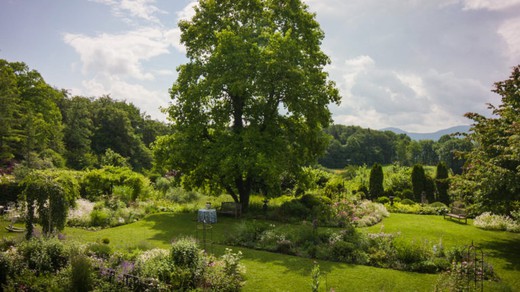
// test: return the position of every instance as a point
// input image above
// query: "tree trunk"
(244, 191)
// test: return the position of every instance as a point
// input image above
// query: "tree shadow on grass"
(505, 249)
(168, 226)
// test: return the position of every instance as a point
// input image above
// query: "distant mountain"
(430, 136)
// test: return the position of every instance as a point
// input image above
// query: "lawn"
(277, 272)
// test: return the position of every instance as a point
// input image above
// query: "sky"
(418, 65)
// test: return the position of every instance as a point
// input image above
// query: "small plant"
(315, 277)
(81, 274)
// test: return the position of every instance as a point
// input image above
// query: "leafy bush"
(101, 182)
(155, 263)
(182, 196)
(407, 194)
(438, 205)
(407, 202)
(99, 250)
(100, 217)
(294, 210)
(383, 200)
(44, 255)
(81, 276)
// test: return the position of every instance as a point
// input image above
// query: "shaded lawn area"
(277, 272)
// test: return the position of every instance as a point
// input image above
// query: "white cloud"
(144, 9)
(510, 31)
(188, 12)
(379, 97)
(490, 4)
(147, 100)
(121, 54)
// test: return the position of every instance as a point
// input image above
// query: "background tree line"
(45, 127)
(353, 145)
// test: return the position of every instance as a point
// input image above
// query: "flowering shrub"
(346, 245)
(491, 221)
(363, 214)
(108, 213)
(80, 215)
(51, 265)
(369, 213)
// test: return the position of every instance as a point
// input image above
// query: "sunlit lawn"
(276, 272)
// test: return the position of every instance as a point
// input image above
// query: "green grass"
(501, 248)
(276, 272)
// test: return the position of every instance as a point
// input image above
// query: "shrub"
(101, 182)
(407, 194)
(412, 253)
(100, 217)
(490, 221)
(407, 202)
(310, 201)
(99, 250)
(383, 200)
(185, 253)
(438, 205)
(44, 255)
(181, 196)
(342, 251)
(81, 274)
(155, 263)
(187, 262)
(368, 213)
(80, 214)
(162, 184)
(294, 210)
(247, 233)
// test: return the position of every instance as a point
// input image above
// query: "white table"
(208, 216)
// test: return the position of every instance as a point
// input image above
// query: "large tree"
(251, 103)
(492, 171)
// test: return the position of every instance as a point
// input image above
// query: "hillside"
(431, 136)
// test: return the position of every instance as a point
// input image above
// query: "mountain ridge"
(430, 136)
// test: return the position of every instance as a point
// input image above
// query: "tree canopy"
(43, 127)
(492, 171)
(251, 103)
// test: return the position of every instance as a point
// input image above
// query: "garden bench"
(230, 208)
(457, 213)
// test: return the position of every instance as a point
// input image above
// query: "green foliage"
(44, 255)
(315, 276)
(247, 61)
(407, 202)
(442, 183)
(418, 181)
(101, 182)
(51, 193)
(111, 158)
(81, 276)
(182, 196)
(383, 200)
(492, 169)
(99, 250)
(376, 181)
(353, 145)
